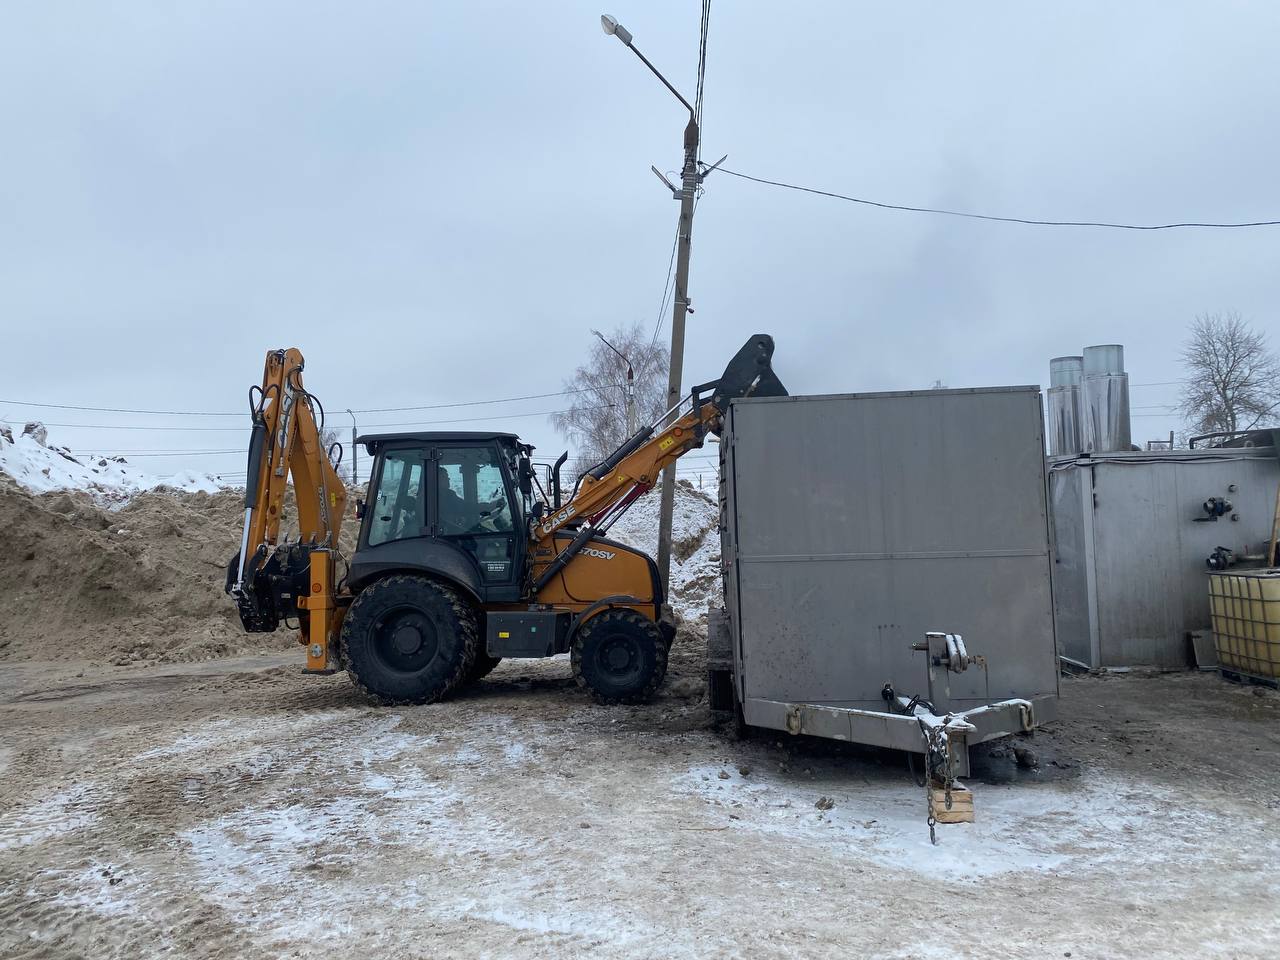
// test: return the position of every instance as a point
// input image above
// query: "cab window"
(397, 511)
(471, 495)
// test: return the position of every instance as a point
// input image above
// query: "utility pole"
(690, 179)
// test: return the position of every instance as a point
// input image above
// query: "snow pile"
(41, 467)
(695, 542)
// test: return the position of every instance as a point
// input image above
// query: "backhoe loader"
(463, 558)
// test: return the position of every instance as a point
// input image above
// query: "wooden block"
(961, 805)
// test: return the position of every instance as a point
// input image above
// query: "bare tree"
(1233, 377)
(596, 418)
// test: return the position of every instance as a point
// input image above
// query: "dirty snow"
(1029, 827)
(695, 537)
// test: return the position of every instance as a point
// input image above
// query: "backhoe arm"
(265, 581)
(607, 489)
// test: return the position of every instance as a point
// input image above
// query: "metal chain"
(935, 736)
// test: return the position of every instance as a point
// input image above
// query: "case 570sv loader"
(460, 561)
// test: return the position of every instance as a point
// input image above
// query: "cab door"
(472, 507)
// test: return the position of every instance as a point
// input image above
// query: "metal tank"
(1104, 401)
(1063, 401)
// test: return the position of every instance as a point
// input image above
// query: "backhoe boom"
(286, 440)
(635, 466)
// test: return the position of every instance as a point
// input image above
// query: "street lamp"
(614, 29)
(631, 385)
(689, 181)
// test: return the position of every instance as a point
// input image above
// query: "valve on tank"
(1214, 508)
(1220, 559)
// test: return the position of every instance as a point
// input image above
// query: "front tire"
(482, 667)
(620, 656)
(408, 639)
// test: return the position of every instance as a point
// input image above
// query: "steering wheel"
(495, 508)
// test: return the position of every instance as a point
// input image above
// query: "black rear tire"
(482, 667)
(408, 639)
(620, 656)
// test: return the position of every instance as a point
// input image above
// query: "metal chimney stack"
(1104, 401)
(1063, 399)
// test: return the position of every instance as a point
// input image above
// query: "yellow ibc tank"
(1246, 621)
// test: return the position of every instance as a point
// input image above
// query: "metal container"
(1105, 426)
(853, 525)
(1131, 537)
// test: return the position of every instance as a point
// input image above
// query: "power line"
(477, 403)
(702, 69)
(983, 216)
(669, 288)
(666, 286)
(156, 449)
(167, 413)
(172, 453)
(401, 423)
(241, 413)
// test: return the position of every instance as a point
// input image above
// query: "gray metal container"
(1130, 542)
(854, 524)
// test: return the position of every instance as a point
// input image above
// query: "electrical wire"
(474, 403)
(240, 413)
(666, 286)
(401, 423)
(171, 453)
(669, 289)
(983, 216)
(702, 70)
(166, 413)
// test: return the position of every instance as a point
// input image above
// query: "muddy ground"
(236, 809)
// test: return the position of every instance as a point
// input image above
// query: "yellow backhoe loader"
(463, 558)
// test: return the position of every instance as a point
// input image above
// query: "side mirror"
(526, 477)
(359, 509)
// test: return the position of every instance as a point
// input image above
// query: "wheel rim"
(619, 660)
(405, 639)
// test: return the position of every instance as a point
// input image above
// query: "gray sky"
(435, 202)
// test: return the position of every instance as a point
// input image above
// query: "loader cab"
(449, 505)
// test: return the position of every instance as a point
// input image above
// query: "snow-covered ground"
(234, 809)
(29, 458)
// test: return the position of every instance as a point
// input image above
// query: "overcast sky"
(436, 202)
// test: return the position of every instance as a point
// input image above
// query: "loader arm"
(267, 578)
(607, 489)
